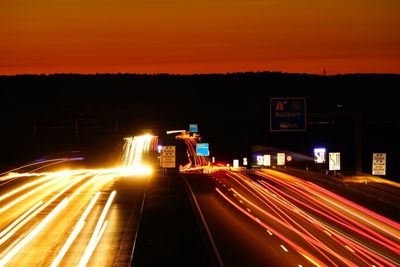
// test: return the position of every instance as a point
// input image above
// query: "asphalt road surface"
(267, 218)
(32, 236)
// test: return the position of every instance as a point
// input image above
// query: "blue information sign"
(202, 149)
(193, 128)
(288, 114)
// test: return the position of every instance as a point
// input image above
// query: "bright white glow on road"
(78, 227)
(96, 233)
(134, 151)
(33, 233)
(15, 224)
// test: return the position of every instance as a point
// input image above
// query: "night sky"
(208, 36)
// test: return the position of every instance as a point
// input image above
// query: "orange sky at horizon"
(208, 36)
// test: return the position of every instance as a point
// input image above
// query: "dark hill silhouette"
(232, 111)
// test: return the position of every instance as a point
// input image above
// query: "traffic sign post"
(193, 128)
(202, 149)
(280, 159)
(288, 114)
(334, 161)
(168, 157)
(379, 164)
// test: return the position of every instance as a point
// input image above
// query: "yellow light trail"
(134, 148)
(28, 185)
(75, 232)
(61, 181)
(45, 205)
(19, 199)
(93, 240)
(17, 221)
(33, 233)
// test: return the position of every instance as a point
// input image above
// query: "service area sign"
(168, 157)
(202, 149)
(334, 161)
(379, 164)
(193, 128)
(280, 158)
(288, 114)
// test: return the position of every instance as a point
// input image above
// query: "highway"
(267, 218)
(30, 241)
(73, 217)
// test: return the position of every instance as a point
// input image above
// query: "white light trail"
(93, 240)
(25, 186)
(33, 233)
(75, 232)
(14, 226)
(12, 203)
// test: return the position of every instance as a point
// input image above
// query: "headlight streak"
(78, 227)
(41, 208)
(28, 185)
(96, 233)
(38, 163)
(17, 221)
(19, 199)
(361, 252)
(33, 233)
(59, 183)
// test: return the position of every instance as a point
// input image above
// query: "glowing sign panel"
(168, 157)
(193, 128)
(202, 149)
(235, 163)
(280, 158)
(319, 155)
(334, 161)
(379, 164)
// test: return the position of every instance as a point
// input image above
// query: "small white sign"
(168, 157)
(244, 161)
(334, 161)
(319, 155)
(267, 160)
(235, 163)
(379, 164)
(280, 158)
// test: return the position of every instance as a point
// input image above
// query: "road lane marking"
(284, 249)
